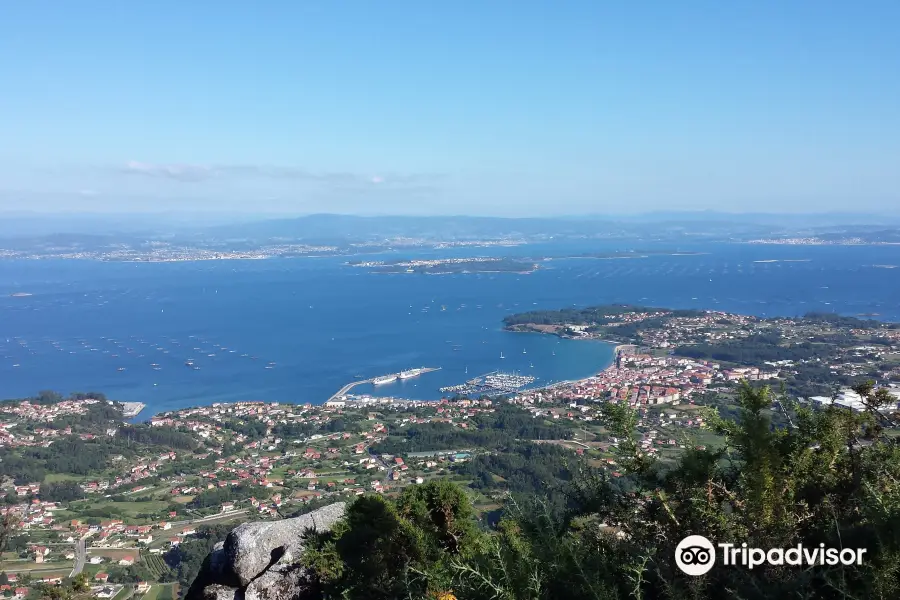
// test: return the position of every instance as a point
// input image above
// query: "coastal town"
(165, 250)
(88, 493)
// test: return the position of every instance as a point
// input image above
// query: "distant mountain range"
(337, 228)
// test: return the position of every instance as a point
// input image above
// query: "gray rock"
(252, 548)
(217, 568)
(259, 561)
(222, 592)
(213, 571)
(289, 582)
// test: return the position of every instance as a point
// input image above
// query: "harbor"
(493, 383)
(383, 379)
(132, 409)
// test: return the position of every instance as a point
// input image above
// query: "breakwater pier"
(382, 379)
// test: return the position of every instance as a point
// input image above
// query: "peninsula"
(810, 354)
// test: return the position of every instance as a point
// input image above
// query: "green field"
(57, 477)
(160, 591)
(130, 509)
(42, 569)
(153, 593)
(154, 563)
(123, 593)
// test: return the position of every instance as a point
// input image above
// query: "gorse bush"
(827, 477)
(402, 549)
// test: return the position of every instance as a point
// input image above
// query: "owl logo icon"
(695, 555)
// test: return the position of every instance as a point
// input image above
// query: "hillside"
(826, 483)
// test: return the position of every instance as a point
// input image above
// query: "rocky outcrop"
(260, 561)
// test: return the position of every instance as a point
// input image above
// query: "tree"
(8, 522)
(385, 550)
(828, 478)
(80, 583)
(814, 476)
(62, 491)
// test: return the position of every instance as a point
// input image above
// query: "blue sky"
(497, 107)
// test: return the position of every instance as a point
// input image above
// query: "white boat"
(384, 379)
(410, 373)
(501, 355)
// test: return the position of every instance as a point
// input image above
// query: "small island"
(446, 266)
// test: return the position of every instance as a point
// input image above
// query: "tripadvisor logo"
(695, 555)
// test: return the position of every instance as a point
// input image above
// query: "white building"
(846, 398)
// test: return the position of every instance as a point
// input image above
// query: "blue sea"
(319, 324)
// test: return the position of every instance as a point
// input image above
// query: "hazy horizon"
(507, 109)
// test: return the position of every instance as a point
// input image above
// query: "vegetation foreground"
(827, 477)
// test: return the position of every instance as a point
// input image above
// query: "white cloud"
(195, 172)
(180, 172)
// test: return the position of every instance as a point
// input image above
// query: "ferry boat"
(410, 373)
(384, 379)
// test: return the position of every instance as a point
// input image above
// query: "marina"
(495, 382)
